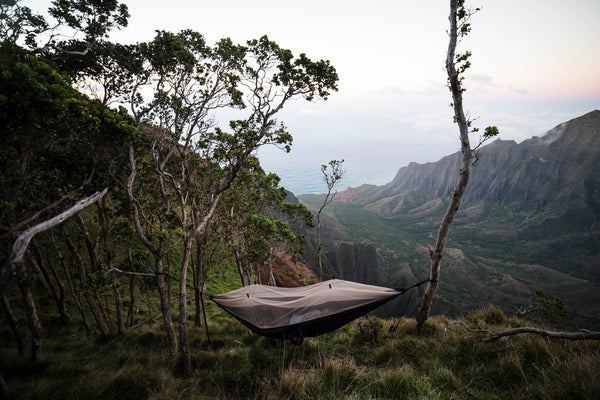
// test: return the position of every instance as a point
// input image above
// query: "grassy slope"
(359, 361)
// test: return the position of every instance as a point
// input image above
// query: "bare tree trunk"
(35, 325)
(238, 261)
(12, 266)
(131, 311)
(165, 304)
(196, 266)
(43, 277)
(104, 224)
(92, 303)
(583, 335)
(183, 338)
(57, 296)
(157, 252)
(76, 298)
(105, 310)
(118, 301)
(456, 196)
(199, 273)
(92, 244)
(15, 326)
(199, 226)
(62, 296)
(272, 280)
(15, 267)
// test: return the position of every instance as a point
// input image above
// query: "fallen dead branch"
(583, 334)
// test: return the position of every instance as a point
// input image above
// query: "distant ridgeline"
(530, 220)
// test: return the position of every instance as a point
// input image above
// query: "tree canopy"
(82, 114)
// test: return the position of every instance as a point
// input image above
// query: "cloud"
(482, 79)
(429, 88)
(485, 85)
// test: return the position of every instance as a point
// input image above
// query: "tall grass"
(360, 361)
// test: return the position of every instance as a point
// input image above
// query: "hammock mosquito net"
(306, 311)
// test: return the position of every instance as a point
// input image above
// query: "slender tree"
(456, 64)
(194, 162)
(331, 176)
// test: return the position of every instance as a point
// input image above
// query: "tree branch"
(582, 335)
(9, 269)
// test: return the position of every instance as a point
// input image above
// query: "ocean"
(300, 170)
(374, 162)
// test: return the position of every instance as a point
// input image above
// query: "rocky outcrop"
(289, 272)
(355, 262)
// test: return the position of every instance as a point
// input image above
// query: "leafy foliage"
(56, 140)
(178, 179)
(542, 310)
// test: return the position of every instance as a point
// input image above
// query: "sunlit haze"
(535, 64)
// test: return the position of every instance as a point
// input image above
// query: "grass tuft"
(360, 361)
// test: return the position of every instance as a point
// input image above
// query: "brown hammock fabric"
(305, 311)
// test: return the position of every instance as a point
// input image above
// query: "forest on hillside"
(176, 198)
(124, 201)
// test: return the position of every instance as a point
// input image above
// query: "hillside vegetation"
(111, 302)
(360, 361)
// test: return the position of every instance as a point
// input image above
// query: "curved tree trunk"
(456, 196)
(11, 267)
(15, 266)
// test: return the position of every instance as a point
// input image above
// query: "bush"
(490, 316)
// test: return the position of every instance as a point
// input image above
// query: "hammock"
(306, 311)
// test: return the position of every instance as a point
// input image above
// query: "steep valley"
(529, 221)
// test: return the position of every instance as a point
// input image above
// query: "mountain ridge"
(529, 221)
(533, 159)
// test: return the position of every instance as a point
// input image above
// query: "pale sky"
(535, 63)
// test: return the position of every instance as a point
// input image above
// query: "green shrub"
(490, 316)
